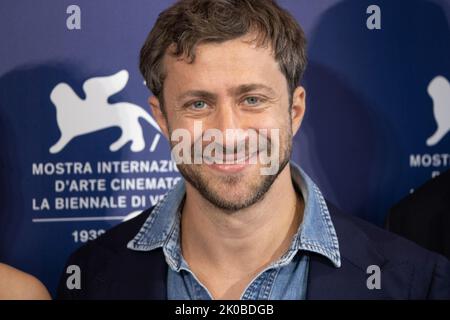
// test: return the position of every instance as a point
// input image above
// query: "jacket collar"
(358, 252)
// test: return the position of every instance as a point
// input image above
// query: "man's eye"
(199, 105)
(252, 101)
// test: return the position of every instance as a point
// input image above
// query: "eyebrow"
(244, 88)
(236, 91)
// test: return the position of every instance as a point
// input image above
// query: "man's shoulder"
(404, 263)
(109, 270)
(388, 245)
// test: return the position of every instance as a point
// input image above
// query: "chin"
(234, 197)
(230, 192)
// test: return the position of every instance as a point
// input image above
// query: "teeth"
(230, 159)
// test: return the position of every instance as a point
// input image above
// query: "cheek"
(178, 121)
(281, 122)
(189, 130)
(273, 120)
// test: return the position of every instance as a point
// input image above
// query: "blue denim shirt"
(284, 279)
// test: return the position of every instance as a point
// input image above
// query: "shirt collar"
(315, 234)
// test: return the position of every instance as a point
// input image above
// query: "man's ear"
(298, 108)
(158, 115)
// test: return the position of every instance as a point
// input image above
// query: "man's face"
(230, 85)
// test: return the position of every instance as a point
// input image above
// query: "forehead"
(221, 66)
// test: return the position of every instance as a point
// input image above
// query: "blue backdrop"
(374, 99)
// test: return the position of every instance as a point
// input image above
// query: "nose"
(229, 121)
(226, 118)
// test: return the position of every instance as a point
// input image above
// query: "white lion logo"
(439, 91)
(76, 117)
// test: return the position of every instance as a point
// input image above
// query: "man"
(231, 230)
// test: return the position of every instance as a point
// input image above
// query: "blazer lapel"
(358, 252)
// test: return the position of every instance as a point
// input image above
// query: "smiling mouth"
(231, 164)
(230, 159)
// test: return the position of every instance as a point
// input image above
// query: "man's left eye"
(252, 100)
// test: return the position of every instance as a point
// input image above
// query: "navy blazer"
(109, 270)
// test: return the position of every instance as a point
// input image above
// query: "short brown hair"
(190, 22)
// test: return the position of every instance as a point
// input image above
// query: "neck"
(242, 243)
